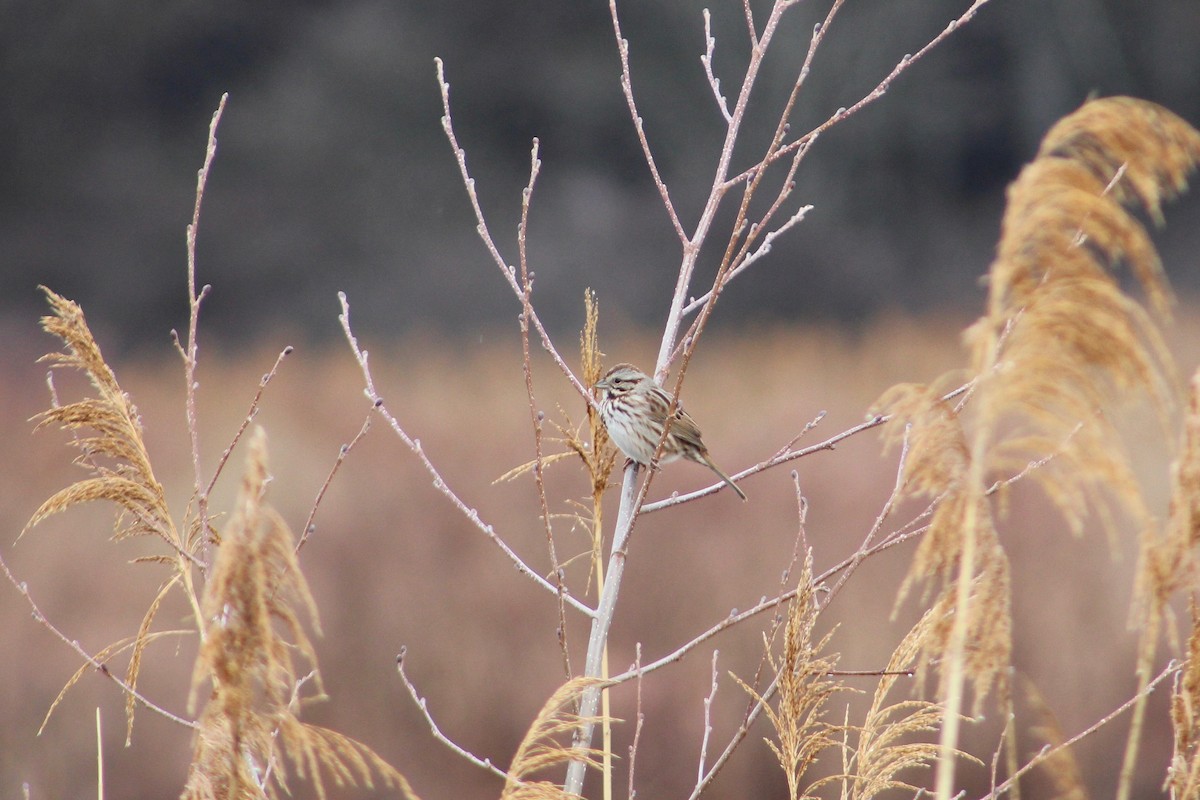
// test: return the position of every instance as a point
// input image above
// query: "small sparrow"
(634, 408)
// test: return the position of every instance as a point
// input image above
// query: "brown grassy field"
(392, 564)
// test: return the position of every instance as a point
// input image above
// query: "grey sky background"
(333, 172)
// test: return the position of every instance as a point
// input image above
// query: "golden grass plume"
(937, 467)
(889, 741)
(1059, 344)
(107, 431)
(253, 645)
(1168, 562)
(542, 748)
(1183, 774)
(1167, 566)
(112, 449)
(1061, 340)
(803, 687)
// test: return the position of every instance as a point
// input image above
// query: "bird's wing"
(686, 429)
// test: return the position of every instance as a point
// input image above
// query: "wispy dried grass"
(1167, 566)
(543, 748)
(253, 644)
(1168, 562)
(107, 431)
(591, 446)
(804, 688)
(1060, 764)
(889, 740)
(1061, 341)
(249, 619)
(1183, 774)
(1060, 344)
(938, 468)
(112, 450)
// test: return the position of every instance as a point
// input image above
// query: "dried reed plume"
(937, 467)
(1060, 765)
(255, 638)
(1168, 562)
(249, 618)
(1060, 343)
(114, 452)
(1183, 775)
(886, 743)
(107, 432)
(1168, 566)
(804, 687)
(541, 749)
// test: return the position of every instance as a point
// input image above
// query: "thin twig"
(98, 665)
(875, 94)
(423, 705)
(509, 272)
(734, 741)
(745, 233)
(640, 718)
(884, 513)
(785, 454)
(191, 352)
(1048, 751)
(714, 82)
(439, 482)
(251, 413)
(766, 604)
(1009, 722)
(536, 417)
(692, 244)
(343, 452)
(638, 126)
(708, 701)
(780, 458)
(762, 250)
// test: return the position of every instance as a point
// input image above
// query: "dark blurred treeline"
(333, 172)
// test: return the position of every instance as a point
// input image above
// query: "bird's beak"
(601, 385)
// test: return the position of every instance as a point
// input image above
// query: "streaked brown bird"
(634, 408)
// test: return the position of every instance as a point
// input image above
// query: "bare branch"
(708, 701)
(423, 705)
(509, 272)
(1047, 751)
(191, 352)
(343, 451)
(535, 416)
(875, 94)
(692, 244)
(762, 250)
(438, 482)
(889, 504)
(627, 90)
(251, 413)
(780, 458)
(714, 82)
(96, 664)
(640, 718)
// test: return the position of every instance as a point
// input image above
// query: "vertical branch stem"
(954, 677)
(191, 350)
(691, 246)
(601, 623)
(535, 416)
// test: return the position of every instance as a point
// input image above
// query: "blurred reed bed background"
(391, 564)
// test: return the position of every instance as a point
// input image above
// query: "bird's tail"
(724, 477)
